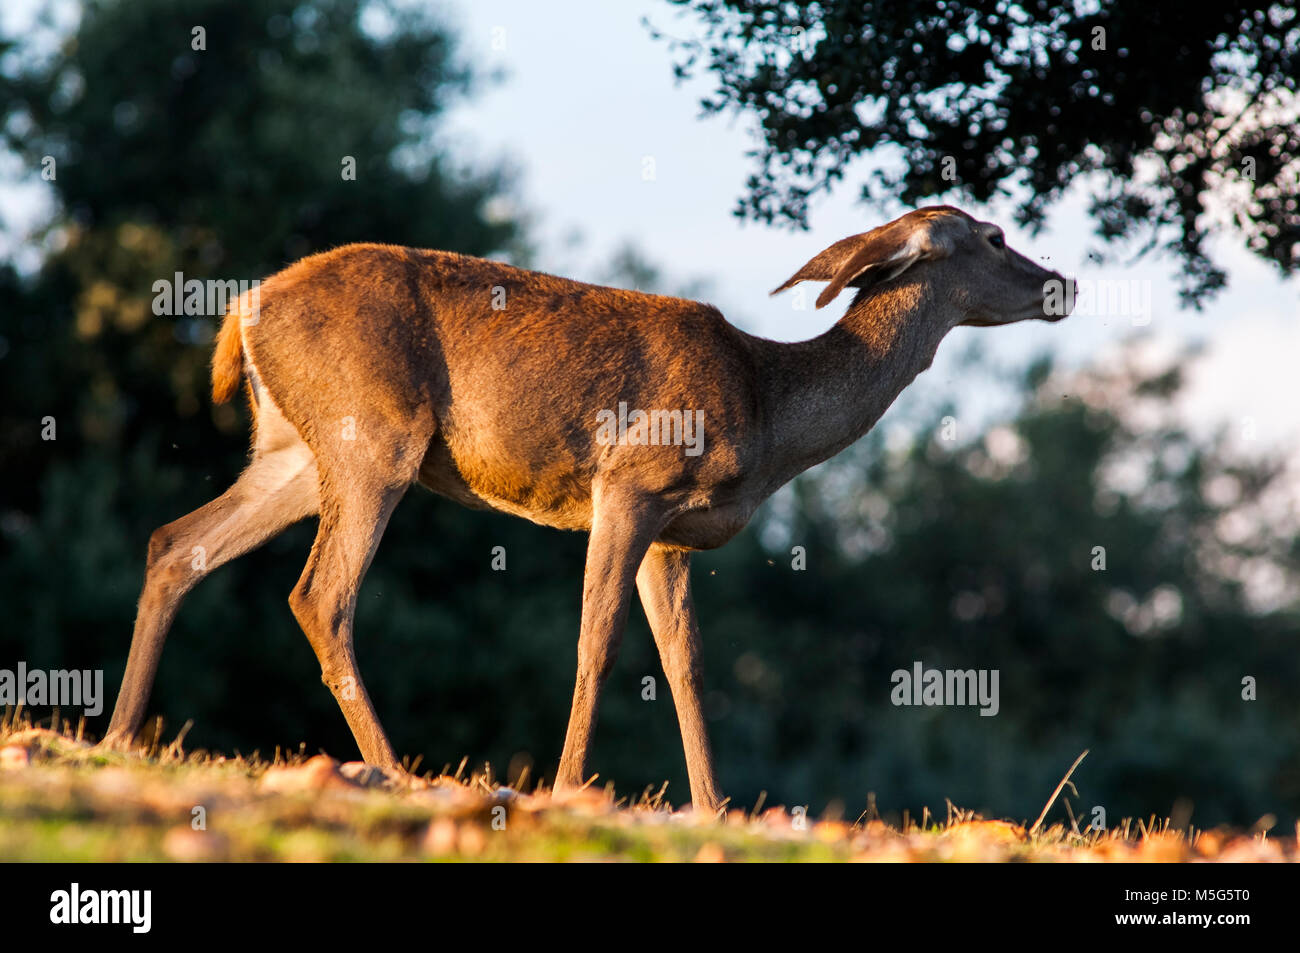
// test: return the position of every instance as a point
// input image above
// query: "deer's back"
(520, 370)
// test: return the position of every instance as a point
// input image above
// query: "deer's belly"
(550, 497)
(557, 493)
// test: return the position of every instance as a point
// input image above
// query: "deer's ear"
(863, 260)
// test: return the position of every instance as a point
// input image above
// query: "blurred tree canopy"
(977, 552)
(1191, 121)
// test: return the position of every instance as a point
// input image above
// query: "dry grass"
(63, 799)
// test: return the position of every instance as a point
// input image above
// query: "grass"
(63, 799)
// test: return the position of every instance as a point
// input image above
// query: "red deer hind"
(373, 367)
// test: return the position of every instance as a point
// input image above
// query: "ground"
(61, 798)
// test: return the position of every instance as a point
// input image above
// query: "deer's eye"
(997, 240)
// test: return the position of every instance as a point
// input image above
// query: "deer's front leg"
(621, 530)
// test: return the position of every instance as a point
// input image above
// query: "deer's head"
(964, 260)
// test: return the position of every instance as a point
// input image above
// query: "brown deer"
(373, 367)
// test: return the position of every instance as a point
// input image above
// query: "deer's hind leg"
(278, 488)
(362, 479)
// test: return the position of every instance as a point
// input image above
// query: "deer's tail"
(228, 358)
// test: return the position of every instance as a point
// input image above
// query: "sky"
(588, 95)
(587, 103)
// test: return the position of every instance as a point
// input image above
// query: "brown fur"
(373, 367)
(227, 359)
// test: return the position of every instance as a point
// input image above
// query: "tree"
(1179, 115)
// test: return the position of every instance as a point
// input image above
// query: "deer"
(369, 368)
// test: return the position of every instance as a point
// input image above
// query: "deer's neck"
(823, 394)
